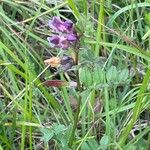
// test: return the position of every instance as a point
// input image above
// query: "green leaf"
(58, 128)
(98, 75)
(74, 8)
(85, 146)
(142, 144)
(123, 75)
(129, 49)
(61, 136)
(111, 74)
(104, 142)
(93, 144)
(86, 76)
(48, 134)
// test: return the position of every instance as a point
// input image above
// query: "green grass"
(109, 108)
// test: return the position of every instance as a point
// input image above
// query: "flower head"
(65, 33)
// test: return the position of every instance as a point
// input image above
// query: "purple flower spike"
(65, 33)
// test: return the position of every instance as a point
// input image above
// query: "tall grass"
(110, 107)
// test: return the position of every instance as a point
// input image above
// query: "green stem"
(76, 118)
(99, 28)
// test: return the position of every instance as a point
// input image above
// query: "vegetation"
(86, 87)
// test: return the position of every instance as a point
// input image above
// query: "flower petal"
(54, 39)
(68, 25)
(56, 83)
(53, 62)
(64, 44)
(57, 25)
(71, 37)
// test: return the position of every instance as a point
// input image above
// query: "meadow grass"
(109, 108)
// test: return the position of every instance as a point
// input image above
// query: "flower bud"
(66, 62)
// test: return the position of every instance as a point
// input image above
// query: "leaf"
(129, 49)
(104, 142)
(58, 128)
(48, 134)
(74, 9)
(93, 144)
(123, 75)
(62, 135)
(86, 76)
(85, 146)
(98, 75)
(142, 144)
(111, 74)
(88, 55)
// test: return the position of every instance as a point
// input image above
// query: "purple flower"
(59, 41)
(71, 37)
(54, 39)
(68, 25)
(64, 44)
(58, 25)
(65, 33)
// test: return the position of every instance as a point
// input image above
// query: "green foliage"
(96, 75)
(58, 133)
(109, 107)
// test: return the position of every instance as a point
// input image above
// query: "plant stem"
(100, 28)
(76, 118)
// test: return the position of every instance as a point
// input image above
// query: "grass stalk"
(99, 28)
(136, 110)
(106, 94)
(30, 113)
(85, 6)
(74, 9)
